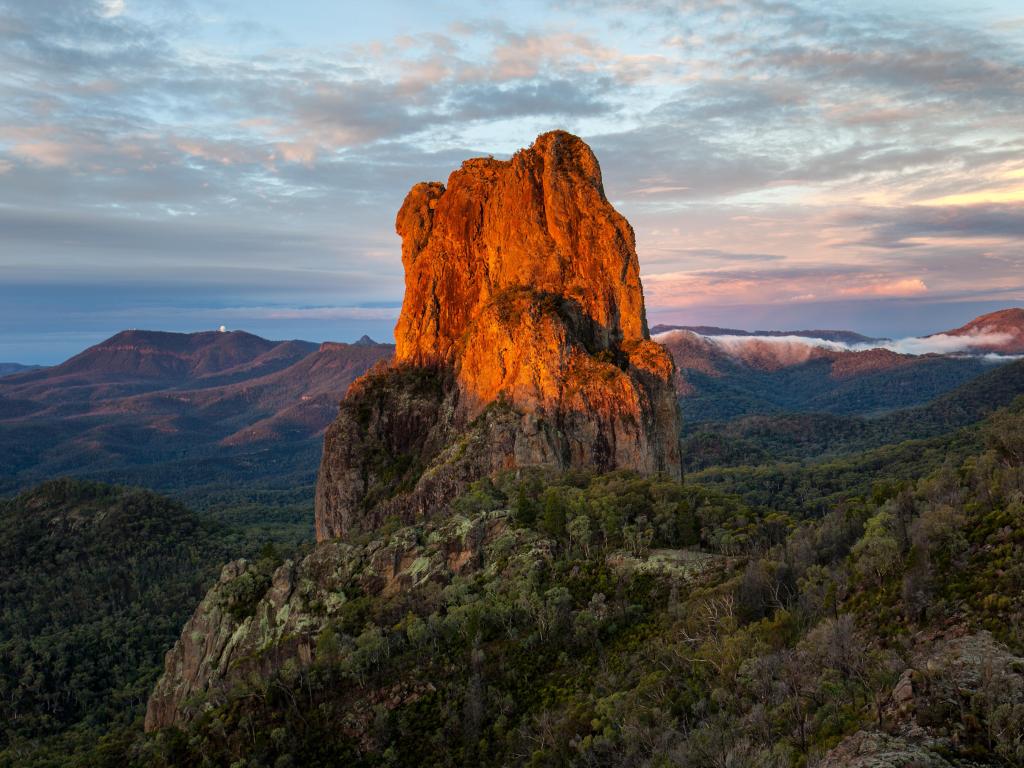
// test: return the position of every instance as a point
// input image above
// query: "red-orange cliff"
(522, 341)
(540, 220)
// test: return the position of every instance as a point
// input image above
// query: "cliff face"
(541, 220)
(522, 342)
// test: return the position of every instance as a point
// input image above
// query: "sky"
(179, 165)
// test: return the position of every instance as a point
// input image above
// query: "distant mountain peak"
(846, 337)
(7, 369)
(1001, 331)
(364, 341)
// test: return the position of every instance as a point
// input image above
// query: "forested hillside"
(621, 621)
(770, 439)
(865, 609)
(96, 583)
(179, 413)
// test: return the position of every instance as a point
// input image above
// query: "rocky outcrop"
(935, 709)
(873, 749)
(256, 618)
(541, 220)
(522, 342)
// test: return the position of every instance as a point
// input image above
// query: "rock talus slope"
(522, 342)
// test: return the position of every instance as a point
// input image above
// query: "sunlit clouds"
(791, 350)
(769, 155)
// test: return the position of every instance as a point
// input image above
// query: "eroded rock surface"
(955, 683)
(522, 342)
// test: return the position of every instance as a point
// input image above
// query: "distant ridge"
(727, 373)
(1001, 332)
(848, 337)
(6, 369)
(154, 359)
(164, 409)
(147, 398)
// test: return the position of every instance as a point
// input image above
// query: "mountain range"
(8, 368)
(510, 568)
(169, 408)
(518, 560)
(1000, 332)
(714, 330)
(173, 410)
(726, 373)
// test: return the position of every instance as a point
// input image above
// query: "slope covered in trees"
(755, 616)
(767, 439)
(615, 620)
(811, 387)
(96, 583)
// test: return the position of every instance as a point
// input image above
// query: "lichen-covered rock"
(217, 641)
(956, 682)
(872, 749)
(252, 621)
(522, 342)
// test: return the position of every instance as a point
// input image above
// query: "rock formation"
(946, 671)
(522, 342)
(253, 620)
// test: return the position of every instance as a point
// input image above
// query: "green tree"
(877, 554)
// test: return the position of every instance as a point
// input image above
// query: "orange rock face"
(540, 220)
(523, 305)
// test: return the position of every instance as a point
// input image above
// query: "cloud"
(541, 97)
(944, 344)
(772, 282)
(314, 313)
(794, 350)
(49, 154)
(783, 351)
(748, 141)
(904, 286)
(913, 225)
(992, 357)
(110, 9)
(985, 196)
(717, 255)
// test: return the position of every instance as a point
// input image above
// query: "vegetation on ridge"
(97, 582)
(800, 639)
(784, 615)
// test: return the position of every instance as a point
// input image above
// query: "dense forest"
(811, 388)
(793, 437)
(96, 581)
(867, 604)
(640, 623)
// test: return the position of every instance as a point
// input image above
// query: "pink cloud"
(49, 154)
(303, 153)
(907, 286)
